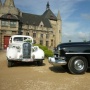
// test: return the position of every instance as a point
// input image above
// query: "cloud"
(69, 28)
(69, 31)
(66, 7)
(31, 6)
(84, 35)
(86, 16)
(75, 32)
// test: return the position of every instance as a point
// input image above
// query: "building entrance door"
(6, 41)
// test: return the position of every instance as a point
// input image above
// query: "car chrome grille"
(26, 50)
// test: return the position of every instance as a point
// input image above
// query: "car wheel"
(77, 65)
(10, 63)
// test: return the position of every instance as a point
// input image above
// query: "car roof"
(20, 36)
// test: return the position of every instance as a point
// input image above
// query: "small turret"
(49, 14)
(9, 7)
(59, 28)
(58, 16)
(47, 6)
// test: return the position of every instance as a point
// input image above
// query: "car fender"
(11, 53)
(39, 54)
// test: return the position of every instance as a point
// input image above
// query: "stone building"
(45, 29)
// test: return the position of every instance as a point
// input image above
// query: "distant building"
(45, 29)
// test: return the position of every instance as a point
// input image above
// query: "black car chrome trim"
(77, 53)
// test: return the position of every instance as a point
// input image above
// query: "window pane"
(41, 35)
(4, 23)
(12, 24)
(51, 42)
(47, 43)
(47, 35)
(41, 42)
(34, 41)
(34, 35)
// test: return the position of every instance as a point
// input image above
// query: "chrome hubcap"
(79, 65)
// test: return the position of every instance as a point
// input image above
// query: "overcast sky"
(75, 15)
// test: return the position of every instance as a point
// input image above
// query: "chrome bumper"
(56, 62)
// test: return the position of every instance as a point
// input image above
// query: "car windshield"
(18, 39)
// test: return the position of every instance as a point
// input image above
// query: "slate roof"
(9, 16)
(33, 19)
(50, 15)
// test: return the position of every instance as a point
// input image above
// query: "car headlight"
(59, 50)
(18, 48)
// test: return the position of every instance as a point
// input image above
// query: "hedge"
(48, 53)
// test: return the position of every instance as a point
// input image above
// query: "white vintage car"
(21, 49)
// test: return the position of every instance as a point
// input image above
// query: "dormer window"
(51, 16)
(41, 24)
(8, 16)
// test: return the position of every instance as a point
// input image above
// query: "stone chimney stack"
(9, 3)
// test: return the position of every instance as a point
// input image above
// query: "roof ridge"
(30, 14)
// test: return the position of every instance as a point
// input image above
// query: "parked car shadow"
(26, 64)
(58, 69)
(88, 70)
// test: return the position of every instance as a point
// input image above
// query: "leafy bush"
(48, 53)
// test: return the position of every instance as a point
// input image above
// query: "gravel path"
(28, 76)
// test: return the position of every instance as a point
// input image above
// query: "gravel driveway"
(29, 76)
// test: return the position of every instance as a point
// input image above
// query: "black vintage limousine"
(74, 56)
